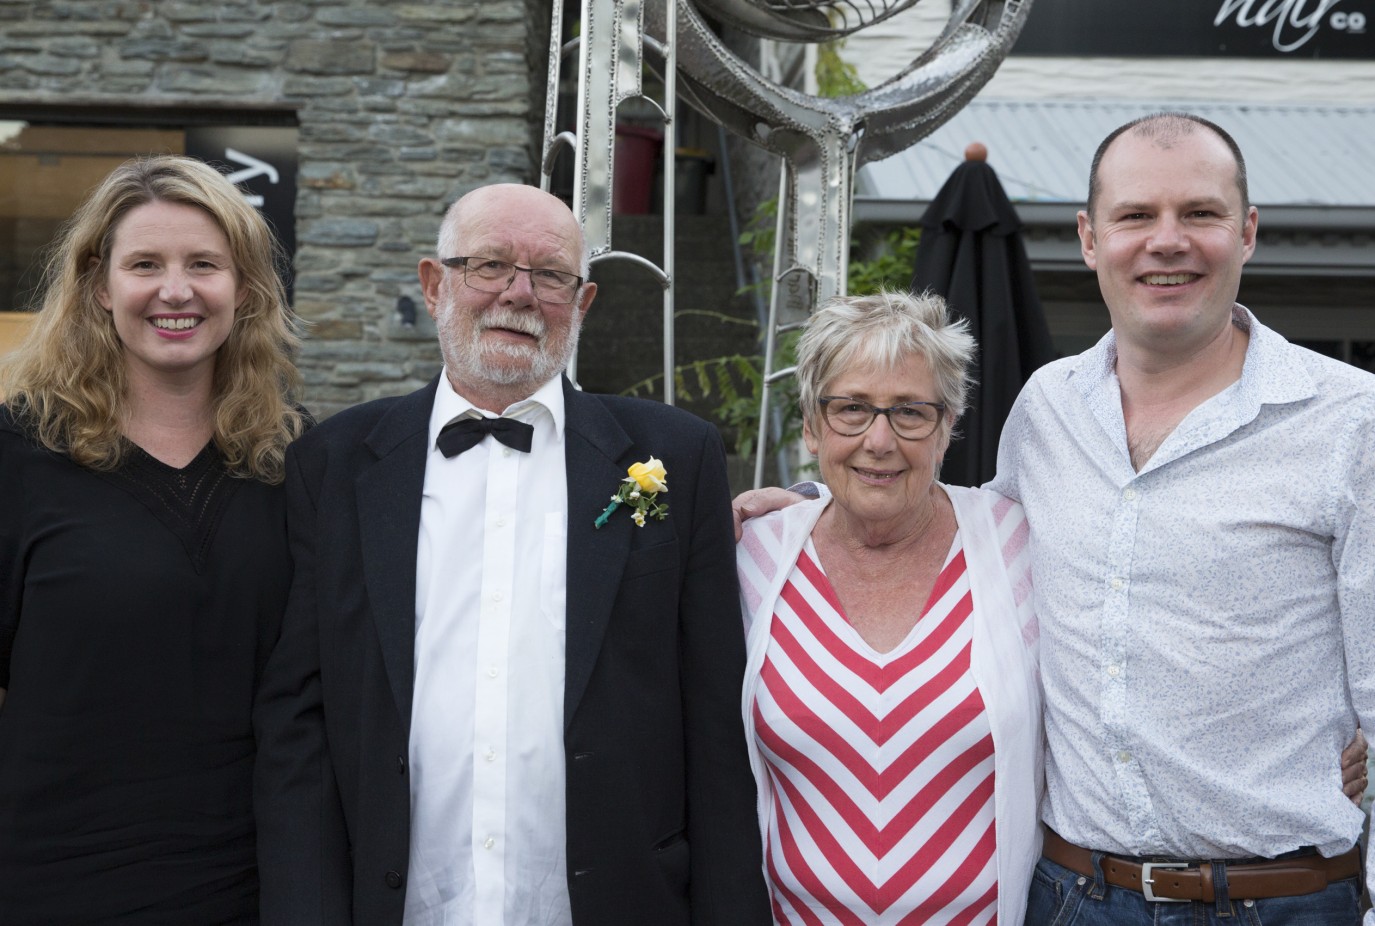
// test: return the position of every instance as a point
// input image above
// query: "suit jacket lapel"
(389, 495)
(594, 445)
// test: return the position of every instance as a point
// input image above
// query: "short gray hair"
(884, 330)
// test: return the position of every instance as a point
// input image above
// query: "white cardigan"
(1003, 660)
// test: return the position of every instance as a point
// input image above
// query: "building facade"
(1293, 81)
(355, 122)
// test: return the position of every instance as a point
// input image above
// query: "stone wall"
(402, 107)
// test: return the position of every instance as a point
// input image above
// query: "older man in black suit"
(484, 708)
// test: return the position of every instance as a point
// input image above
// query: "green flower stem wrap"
(601, 519)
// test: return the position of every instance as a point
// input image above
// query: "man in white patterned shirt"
(1202, 502)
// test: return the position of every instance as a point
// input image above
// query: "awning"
(1311, 172)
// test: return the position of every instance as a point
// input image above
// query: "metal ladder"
(610, 52)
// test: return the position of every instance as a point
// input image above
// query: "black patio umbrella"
(971, 252)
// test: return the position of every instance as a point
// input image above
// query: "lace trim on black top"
(188, 501)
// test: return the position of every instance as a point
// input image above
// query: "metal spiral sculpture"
(822, 141)
(800, 20)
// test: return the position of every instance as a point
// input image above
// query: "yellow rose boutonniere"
(640, 490)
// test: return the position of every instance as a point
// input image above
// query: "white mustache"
(524, 322)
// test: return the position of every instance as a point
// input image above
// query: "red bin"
(632, 179)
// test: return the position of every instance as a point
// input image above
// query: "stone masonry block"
(324, 175)
(188, 12)
(396, 133)
(216, 30)
(75, 47)
(356, 16)
(164, 49)
(437, 12)
(312, 56)
(48, 65)
(371, 88)
(336, 329)
(242, 55)
(416, 61)
(348, 233)
(319, 283)
(300, 86)
(463, 131)
(223, 82)
(502, 13)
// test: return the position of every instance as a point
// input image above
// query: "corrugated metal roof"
(1296, 155)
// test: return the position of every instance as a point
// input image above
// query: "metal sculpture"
(821, 141)
(610, 48)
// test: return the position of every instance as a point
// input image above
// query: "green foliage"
(891, 269)
(759, 236)
(734, 381)
(836, 77)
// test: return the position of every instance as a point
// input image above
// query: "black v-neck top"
(136, 610)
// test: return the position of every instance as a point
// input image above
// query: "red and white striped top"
(881, 764)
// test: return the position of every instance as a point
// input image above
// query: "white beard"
(471, 359)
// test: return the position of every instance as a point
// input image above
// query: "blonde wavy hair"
(67, 381)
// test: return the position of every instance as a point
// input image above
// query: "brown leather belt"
(1181, 881)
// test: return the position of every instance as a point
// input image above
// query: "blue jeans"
(1060, 897)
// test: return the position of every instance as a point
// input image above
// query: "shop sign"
(262, 161)
(1201, 28)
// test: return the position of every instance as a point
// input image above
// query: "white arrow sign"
(252, 168)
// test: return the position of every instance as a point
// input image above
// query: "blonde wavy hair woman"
(68, 379)
(144, 566)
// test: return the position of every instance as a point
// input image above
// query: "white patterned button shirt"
(1209, 622)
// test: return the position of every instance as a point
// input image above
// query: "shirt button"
(492, 672)
(1114, 671)
(505, 451)
(1124, 756)
(497, 596)
(500, 522)
(488, 842)
(491, 754)
(1117, 584)
(1129, 494)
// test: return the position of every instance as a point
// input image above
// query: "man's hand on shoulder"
(755, 502)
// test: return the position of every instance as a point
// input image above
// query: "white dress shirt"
(1208, 622)
(486, 749)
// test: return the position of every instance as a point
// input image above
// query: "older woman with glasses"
(891, 695)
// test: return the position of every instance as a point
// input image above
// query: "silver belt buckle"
(1146, 880)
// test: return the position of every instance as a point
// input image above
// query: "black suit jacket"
(661, 817)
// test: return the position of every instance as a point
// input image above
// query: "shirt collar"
(546, 404)
(1268, 376)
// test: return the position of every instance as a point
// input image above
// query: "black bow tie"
(466, 433)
